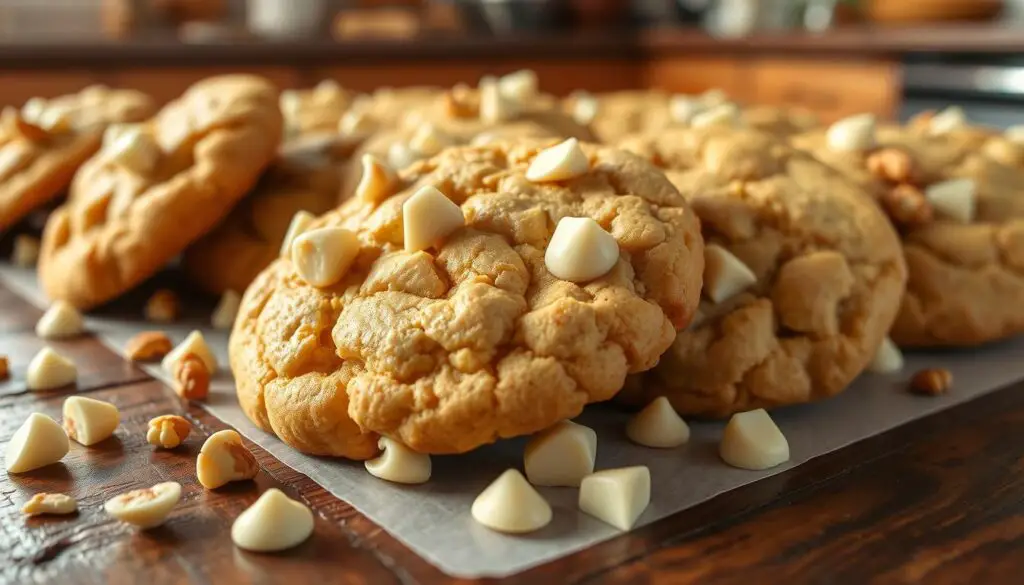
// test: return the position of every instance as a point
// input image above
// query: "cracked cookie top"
(803, 275)
(472, 339)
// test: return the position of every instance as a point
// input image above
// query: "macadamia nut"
(89, 421)
(145, 508)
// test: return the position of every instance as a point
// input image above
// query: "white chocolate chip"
(561, 162)
(114, 132)
(38, 442)
(428, 217)
(60, 321)
(520, 86)
(580, 250)
(377, 181)
(399, 463)
(494, 106)
(227, 309)
(327, 87)
(510, 504)
(290, 102)
(299, 224)
(135, 150)
(1015, 134)
(584, 107)
(274, 522)
(49, 370)
(684, 108)
(322, 256)
(888, 358)
(725, 275)
(55, 120)
(54, 504)
(400, 155)
(88, 421)
(196, 344)
(33, 109)
(658, 425)
(26, 251)
(725, 114)
(561, 455)
(954, 199)
(355, 122)
(948, 120)
(751, 440)
(616, 496)
(145, 508)
(852, 134)
(223, 459)
(428, 140)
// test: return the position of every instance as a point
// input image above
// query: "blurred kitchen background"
(833, 57)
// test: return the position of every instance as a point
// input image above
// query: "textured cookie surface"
(121, 225)
(314, 110)
(828, 268)
(781, 122)
(457, 346)
(623, 113)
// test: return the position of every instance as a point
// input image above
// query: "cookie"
(781, 122)
(305, 177)
(803, 279)
(614, 115)
(156, 187)
(964, 248)
(315, 110)
(472, 339)
(43, 145)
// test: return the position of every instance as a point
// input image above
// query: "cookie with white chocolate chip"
(386, 316)
(803, 275)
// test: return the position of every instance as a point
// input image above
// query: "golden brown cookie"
(781, 122)
(314, 110)
(472, 339)
(43, 145)
(305, 177)
(157, 187)
(612, 116)
(802, 281)
(966, 263)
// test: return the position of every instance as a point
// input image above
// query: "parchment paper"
(434, 520)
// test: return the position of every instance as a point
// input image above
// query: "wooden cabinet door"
(831, 89)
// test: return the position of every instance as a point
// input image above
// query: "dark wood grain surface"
(939, 501)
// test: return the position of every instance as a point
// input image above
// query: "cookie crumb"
(163, 307)
(907, 206)
(931, 382)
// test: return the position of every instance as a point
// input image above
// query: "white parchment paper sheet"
(434, 519)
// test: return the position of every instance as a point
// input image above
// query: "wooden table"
(939, 501)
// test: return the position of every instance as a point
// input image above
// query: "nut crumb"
(192, 377)
(931, 382)
(163, 307)
(907, 206)
(891, 164)
(50, 504)
(148, 346)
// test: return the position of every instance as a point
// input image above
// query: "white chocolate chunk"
(114, 132)
(60, 321)
(327, 87)
(26, 251)
(377, 181)
(274, 522)
(33, 109)
(55, 504)
(55, 120)
(494, 106)
(195, 343)
(290, 102)
(38, 442)
(428, 217)
(948, 120)
(888, 358)
(725, 275)
(400, 155)
(580, 250)
(658, 425)
(1015, 134)
(561, 162)
(954, 199)
(852, 134)
(322, 256)
(519, 86)
(725, 114)
(584, 107)
(684, 108)
(428, 140)
(299, 224)
(616, 496)
(227, 309)
(136, 150)
(145, 508)
(89, 421)
(49, 370)
(223, 459)
(510, 504)
(399, 463)
(752, 441)
(354, 123)
(561, 455)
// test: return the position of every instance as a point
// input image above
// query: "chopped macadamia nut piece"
(519, 86)
(299, 224)
(561, 162)
(89, 421)
(510, 504)
(584, 107)
(26, 251)
(658, 425)
(136, 150)
(290, 102)
(725, 275)
(377, 181)
(148, 346)
(227, 309)
(33, 108)
(52, 504)
(322, 256)
(888, 358)
(561, 455)
(429, 217)
(60, 321)
(274, 522)
(616, 496)
(948, 120)
(38, 442)
(726, 114)
(954, 199)
(49, 370)
(752, 441)
(354, 123)
(168, 431)
(399, 464)
(196, 344)
(580, 250)
(223, 459)
(401, 155)
(852, 134)
(494, 106)
(428, 140)
(145, 508)
(684, 108)
(163, 307)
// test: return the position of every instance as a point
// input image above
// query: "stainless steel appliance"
(989, 88)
